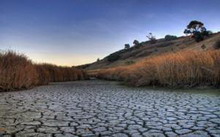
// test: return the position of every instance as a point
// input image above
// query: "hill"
(146, 49)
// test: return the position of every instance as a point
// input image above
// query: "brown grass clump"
(185, 68)
(53, 73)
(18, 72)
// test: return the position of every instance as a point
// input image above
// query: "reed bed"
(181, 69)
(18, 72)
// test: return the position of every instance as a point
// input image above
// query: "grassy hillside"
(176, 63)
(147, 50)
(17, 72)
(189, 68)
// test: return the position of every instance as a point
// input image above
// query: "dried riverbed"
(102, 108)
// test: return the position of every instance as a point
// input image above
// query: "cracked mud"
(101, 108)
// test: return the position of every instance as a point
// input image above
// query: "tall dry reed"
(185, 68)
(18, 72)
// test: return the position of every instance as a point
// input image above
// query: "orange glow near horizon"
(62, 60)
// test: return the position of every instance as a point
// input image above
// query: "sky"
(74, 32)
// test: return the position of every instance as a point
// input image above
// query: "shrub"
(152, 38)
(198, 36)
(217, 45)
(203, 46)
(136, 42)
(170, 37)
(127, 46)
(129, 62)
(113, 57)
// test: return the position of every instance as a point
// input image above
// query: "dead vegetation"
(185, 68)
(147, 50)
(18, 72)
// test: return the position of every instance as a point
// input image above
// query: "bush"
(153, 41)
(113, 57)
(152, 38)
(136, 42)
(170, 37)
(127, 46)
(203, 46)
(217, 45)
(129, 62)
(198, 36)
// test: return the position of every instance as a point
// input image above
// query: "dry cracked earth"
(101, 108)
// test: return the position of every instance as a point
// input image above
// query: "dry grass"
(17, 72)
(185, 68)
(53, 73)
(148, 50)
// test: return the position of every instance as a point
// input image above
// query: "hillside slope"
(146, 50)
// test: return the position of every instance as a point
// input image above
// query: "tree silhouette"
(151, 38)
(127, 46)
(170, 37)
(136, 42)
(197, 30)
(195, 25)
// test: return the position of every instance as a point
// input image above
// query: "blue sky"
(72, 32)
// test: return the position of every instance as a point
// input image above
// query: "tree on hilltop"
(136, 42)
(151, 38)
(127, 46)
(197, 30)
